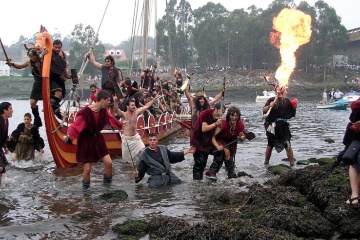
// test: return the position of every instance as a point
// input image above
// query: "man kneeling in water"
(155, 160)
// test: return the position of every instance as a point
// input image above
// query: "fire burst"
(293, 30)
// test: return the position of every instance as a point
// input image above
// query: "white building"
(4, 69)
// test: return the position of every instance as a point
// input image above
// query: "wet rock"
(306, 203)
(303, 162)
(134, 228)
(278, 169)
(322, 161)
(329, 140)
(113, 196)
(244, 174)
(161, 226)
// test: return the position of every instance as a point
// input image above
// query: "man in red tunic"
(229, 130)
(203, 131)
(91, 144)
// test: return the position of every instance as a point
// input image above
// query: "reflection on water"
(40, 201)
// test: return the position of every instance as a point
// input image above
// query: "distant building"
(138, 54)
(4, 69)
(117, 54)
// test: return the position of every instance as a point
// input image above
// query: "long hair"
(198, 106)
(231, 111)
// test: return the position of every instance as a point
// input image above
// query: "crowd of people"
(118, 102)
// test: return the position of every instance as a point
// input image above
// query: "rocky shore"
(307, 203)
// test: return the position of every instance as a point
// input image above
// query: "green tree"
(81, 40)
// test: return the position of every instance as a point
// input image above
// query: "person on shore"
(110, 79)
(203, 131)
(230, 129)
(91, 144)
(276, 124)
(352, 133)
(6, 112)
(156, 161)
(25, 139)
(94, 91)
(131, 140)
(35, 64)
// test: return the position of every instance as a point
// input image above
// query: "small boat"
(265, 97)
(352, 96)
(340, 104)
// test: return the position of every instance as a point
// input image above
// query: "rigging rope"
(86, 59)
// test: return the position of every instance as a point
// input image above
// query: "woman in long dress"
(25, 139)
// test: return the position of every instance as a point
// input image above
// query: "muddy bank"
(308, 203)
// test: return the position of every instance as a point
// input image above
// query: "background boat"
(351, 96)
(265, 97)
(341, 104)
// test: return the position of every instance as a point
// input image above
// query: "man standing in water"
(276, 124)
(6, 112)
(203, 131)
(132, 144)
(91, 144)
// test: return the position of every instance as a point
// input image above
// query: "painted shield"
(161, 123)
(167, 120)
(140, 125)
(151, 124)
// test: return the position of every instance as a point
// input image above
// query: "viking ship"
(64, 154)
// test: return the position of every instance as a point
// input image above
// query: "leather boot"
(37, 119)
(107, 180)
(85, 185)
(230, 168)
(217, 162)
(55, 104)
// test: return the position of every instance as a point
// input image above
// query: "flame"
(293, 30)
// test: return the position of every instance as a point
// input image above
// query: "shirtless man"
(132, 143)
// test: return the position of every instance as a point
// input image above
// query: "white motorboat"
(351, 96)
(265, 97)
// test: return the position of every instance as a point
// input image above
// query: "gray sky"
(20, 17)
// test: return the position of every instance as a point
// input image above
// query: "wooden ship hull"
(65, 154)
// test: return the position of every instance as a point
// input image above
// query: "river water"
(40, 201)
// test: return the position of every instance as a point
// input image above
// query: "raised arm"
(142, 109)
(189, 98)
(216, 98)
(93, 61)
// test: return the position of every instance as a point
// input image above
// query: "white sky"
(20, 17)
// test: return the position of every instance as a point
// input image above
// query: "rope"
(86, 59)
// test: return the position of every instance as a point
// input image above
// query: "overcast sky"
(20, 17)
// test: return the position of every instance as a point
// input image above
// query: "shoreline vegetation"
(246, 84)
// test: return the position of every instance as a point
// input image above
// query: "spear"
(6, 56)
